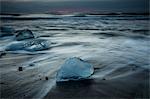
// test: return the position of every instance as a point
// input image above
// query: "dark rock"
(46, 78)
(1, 82)
(2, 54)
(20, 68)
(31, 64)
(104, 79)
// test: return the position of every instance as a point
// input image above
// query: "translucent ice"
(74, 69)
(29, 45)
(24, 34)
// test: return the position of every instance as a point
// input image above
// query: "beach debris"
(20, 68)
(74, 69)
(24, 34)
(134, 67)
(6, 31)
(2, 83)
(2, 53)
(104, 79)
(46, 78)
(30, 45)
(31, 64)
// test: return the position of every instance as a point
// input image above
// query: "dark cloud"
(40, 6)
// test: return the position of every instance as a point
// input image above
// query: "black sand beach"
(117, 46)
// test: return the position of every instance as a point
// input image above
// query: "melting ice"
(74, 69)
(27, 41)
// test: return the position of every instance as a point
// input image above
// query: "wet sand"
(130, 82)
(117, 47)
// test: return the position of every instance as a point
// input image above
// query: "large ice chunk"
(74, 69)
(29, 45)
(24, 34)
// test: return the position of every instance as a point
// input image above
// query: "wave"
(28, 18)
(107, 34)
(109, 16)
(80, 14)
(142, 31)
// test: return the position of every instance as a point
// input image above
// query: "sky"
(44, 6)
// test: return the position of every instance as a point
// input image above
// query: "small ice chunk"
(37, 45)
(30, 45)
(74, 69)
(24, 34)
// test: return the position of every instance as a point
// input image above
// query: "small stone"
(46, 78)
(104, 79)
(20, 69)
(2, 54)
(1, 83)
(31, 64)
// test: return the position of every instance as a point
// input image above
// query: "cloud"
(36, 0)
(38, 6)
